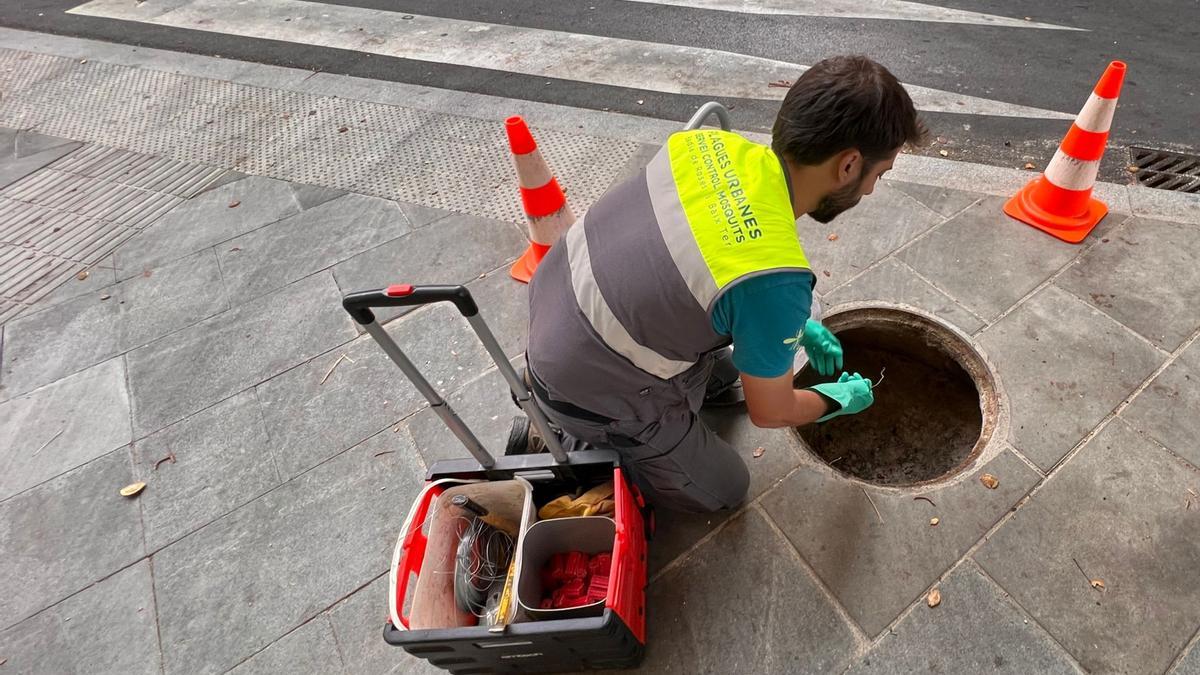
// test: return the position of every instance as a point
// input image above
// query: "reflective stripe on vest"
(722, 207)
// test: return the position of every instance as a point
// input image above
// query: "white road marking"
(897, 10)
(671, 69)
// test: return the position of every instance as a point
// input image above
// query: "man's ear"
(849, 166)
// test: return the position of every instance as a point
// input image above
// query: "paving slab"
(1190, 664)
(946, 201)
(1166, 410)
(308, 650)
(208, 219)
(1143, 274)
(881, 223)
(66, 534)
(107, 628)
(311, 417)
(23, 152)
(270, 257)
(1165, 204)
(878, 564)
(52, 430)
(216, 358)
(99, 275)
(309, 196)
(358, 625)
(1065, 366)
(222, 459)
(984, 243)
(1118, 510)
(975, 629)
(745, 591)
(46, 345)
(893, 281)
(242, 582)
(455, 249)
(486, 406)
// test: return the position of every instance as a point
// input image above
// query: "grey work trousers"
(677, 461)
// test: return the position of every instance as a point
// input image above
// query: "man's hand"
(852, 392)
(823, 348)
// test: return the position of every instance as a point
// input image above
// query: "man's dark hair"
(841, 103)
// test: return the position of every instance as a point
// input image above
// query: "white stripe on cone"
(532, 170)
(547, 229)
(1069, 173)
(1097, 114)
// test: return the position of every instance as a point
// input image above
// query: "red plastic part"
(523, 269)
(600, 564)
(1084, 145)
(398, 290)
(627, 578)
(597, 588)
(413, 551)
(1110, 82)
(520, 140)
(543, 201)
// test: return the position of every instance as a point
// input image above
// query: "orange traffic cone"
(1060, 202)
(543, 200)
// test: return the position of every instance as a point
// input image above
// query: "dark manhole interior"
(933, 411)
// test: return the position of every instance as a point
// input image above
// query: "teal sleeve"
(762, 315)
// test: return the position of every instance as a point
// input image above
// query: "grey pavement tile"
(99, 275)
(944, 200)
(358, 626)
(272, 256)
(1065, 366)
(63, 425)
(66, 534)
(504, 304)
(211, 360)
(1165, 204)
(205, 220)
(226, 178)
(1189, 665)
(106, 628)
(881, 223)
(307, 650)
(453, 250)
(309, 196)
(975, 629)
(487, 408)
(893, 281)
(230, 589)
(877, 565)
(641, 157)
(23, 152)
(1119, 510)
(742, 603)
(310, 420)
(1143, 274)
(46, 345)
(986, 260)
(1166, 410)
(222, 459)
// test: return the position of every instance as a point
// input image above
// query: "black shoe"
(724, 387)
(518, 437)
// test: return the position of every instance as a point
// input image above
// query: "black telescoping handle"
(406, 295)
(359, 305)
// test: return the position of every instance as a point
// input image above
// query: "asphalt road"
(1050, 69)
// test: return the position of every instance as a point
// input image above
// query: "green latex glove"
(824, 350)
(852, 392)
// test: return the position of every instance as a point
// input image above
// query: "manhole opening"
(934, 411)
(1165, 170)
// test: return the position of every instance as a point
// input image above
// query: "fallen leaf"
(235, 248)
(943, 153)
(780, 83)
(342, 130)
(933, 522)
(1132, 168)
(934, 598)
(826, 273)
(1030, 165)
(83, 274)
(132, 489)
(105, 296)
(833, 237)
(989, 481)
(759, 451)
(146, 273)
(1098, 584)
(83, 61)
(640, 101)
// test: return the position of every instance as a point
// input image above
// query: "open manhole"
(1165, 170)
(934, 412)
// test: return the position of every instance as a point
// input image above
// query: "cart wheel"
(518, 437)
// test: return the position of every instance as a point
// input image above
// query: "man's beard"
(834, 203)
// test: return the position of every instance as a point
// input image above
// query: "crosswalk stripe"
(896, 10)
(672, 69)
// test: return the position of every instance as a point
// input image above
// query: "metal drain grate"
(1166, 170)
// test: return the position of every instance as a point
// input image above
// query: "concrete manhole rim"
(966, 352)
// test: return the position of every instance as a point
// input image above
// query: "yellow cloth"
(595, 502)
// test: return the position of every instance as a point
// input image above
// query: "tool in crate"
(424, 617)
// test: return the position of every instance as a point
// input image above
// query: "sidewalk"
(220, 210)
